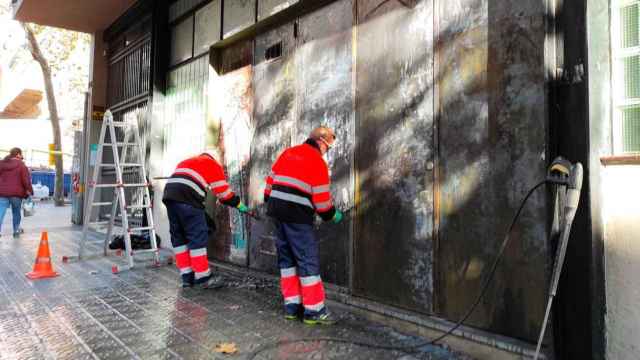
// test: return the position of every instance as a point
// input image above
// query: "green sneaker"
(293, 312)
(325, 318)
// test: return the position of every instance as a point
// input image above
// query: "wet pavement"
(89, 313)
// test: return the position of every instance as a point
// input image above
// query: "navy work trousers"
(299, 263)
(189, 237)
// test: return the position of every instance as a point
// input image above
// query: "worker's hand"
(242, 208)
(337, 217)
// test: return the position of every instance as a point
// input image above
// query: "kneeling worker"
(297, 188)
(184, 197)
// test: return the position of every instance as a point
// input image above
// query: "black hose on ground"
(408, 349)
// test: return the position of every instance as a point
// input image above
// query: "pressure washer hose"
(408, 349)
(574, 186)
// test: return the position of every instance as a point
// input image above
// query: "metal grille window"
(181, 41)
(181, 7)
(208, 21)
(626, 77)
(130, 75)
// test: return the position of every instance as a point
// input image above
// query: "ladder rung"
(143, 251)
(121, 164)
(138, 206)
(102, 204)
(120, 124)
(141, 228)
(135, 185)
(99, 223)
(103, 185)
(120, 144)
(117, 185)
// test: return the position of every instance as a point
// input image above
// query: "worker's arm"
(267, 188)
(221, 189)
(321, 197)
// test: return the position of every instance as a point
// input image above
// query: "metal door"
(231, 93)
(325, 97)
(393, 252)
(274, 119)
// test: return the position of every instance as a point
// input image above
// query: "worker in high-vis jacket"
(184, 196)
(298, 188)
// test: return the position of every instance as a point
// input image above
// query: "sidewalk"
(89, 313)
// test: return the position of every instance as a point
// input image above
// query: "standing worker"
(15, 185)
(184, 197)
(297, 188)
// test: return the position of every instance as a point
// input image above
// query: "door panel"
(324, 89)
(393, 259)
(274, 119)
(231, 92)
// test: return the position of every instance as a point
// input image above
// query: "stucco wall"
(622, 261)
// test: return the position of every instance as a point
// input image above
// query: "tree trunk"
(58, 193)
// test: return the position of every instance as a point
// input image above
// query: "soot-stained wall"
(440, 113)
(309, 84)
(324, 96)
(492, 149)
(393, 242)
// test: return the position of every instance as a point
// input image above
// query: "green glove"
(337, 218)
(242, 208)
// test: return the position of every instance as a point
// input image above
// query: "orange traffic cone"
(43, 268)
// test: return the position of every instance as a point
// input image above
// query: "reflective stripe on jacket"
(299, 185)
(193, 177)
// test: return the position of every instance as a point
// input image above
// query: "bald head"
(324, 136)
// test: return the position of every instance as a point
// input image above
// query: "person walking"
(15, 185)
(184, 197)
(296, 190)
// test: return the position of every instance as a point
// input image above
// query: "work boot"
(212, 282)
(188, 280)
(293, 312)
(323, 318)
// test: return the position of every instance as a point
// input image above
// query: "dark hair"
(13, 153)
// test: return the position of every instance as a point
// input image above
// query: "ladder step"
(141, 228)
(136, 185)
(102, 204)
(120, 144)
(99, 223)
(121, 124)
(103, 185)
(116, 185)
(121, 164)
(143, 251)
(139, 207)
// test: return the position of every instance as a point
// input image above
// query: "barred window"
(626, 75)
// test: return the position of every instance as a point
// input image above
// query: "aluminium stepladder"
(130, 190)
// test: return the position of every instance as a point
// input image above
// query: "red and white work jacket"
(193, 177)
(298, 186)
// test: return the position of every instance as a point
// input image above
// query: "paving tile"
(89, 313)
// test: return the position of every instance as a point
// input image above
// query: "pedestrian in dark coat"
(15, 185)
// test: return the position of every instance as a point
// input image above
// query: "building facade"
(446, 113)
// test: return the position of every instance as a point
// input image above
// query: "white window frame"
(618, 54)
